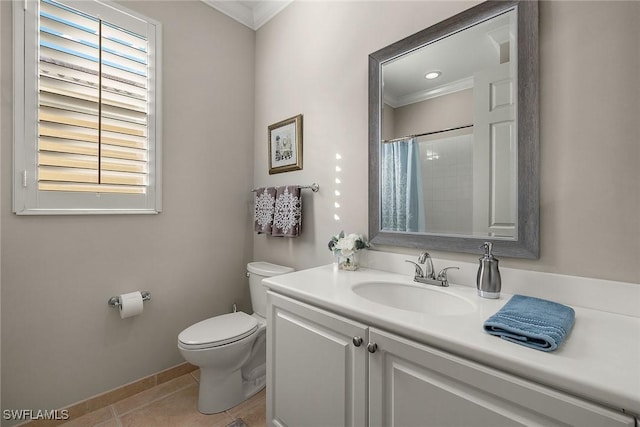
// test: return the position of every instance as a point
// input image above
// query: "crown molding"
(266, 10)
(253, 18)
(462, 84)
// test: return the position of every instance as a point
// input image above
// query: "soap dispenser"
(488, 280)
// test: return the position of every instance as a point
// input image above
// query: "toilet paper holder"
(115, 301)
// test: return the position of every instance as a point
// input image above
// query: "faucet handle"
(443, 274)
(419, 272)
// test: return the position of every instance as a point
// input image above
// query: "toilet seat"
(218, 331)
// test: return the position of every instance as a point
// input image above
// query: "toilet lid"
(217, 331)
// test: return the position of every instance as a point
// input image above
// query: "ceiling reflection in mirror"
(448, 149)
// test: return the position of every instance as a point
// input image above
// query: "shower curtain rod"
(427, 133)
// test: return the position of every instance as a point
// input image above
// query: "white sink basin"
(418, 298)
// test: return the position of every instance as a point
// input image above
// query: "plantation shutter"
(92, 104)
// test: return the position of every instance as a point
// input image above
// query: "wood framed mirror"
(453, 134)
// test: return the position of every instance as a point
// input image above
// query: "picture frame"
(285, 145)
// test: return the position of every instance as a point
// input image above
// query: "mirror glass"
(453, 148)
(448, 152)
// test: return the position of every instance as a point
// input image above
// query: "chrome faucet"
(425, 259)
(427, 276)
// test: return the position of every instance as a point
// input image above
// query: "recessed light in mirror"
(432, 75)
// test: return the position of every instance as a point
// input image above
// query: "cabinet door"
(316, 375)
(415, 385)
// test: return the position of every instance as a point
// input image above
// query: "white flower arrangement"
(346, 246)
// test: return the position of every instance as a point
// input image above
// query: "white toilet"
(230, 349)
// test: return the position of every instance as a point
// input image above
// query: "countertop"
(599, 361)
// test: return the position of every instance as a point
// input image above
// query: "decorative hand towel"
(532, 322)
(264, 208)
(287, 217)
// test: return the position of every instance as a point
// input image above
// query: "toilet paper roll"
(130, 304)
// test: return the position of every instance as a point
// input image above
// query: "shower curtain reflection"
(402, 200)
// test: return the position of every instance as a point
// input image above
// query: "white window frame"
(27, 199)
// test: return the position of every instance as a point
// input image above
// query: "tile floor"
(173, 404)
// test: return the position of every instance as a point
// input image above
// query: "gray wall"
(60, 341)
(434, 114)
(312, 59)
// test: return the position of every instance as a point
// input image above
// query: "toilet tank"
(256, 272)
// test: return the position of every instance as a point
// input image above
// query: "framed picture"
(285, 145)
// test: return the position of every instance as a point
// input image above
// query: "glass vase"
(349, 263)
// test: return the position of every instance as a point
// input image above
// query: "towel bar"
(314, 187)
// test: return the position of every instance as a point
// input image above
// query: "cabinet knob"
(372, 347)
(357, 341)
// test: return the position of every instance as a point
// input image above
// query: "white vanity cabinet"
(326, 370)
(411, 384)
(316, 374)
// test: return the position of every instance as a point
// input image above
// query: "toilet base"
(251, 387)
(217, 394)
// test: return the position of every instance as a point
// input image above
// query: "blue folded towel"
(532, 322)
